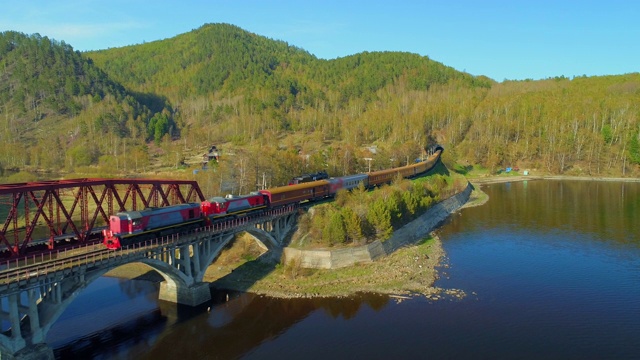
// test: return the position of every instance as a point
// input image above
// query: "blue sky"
(502, 39)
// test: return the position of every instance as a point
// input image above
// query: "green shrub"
(334, 231)
(360, 216)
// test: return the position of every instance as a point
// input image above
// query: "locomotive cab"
(129, 222)
(122, 224)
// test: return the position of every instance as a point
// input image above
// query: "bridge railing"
(87, 259)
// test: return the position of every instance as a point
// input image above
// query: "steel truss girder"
(42, 203)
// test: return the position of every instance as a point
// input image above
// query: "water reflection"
(237, 327)
(555, 266)
(105, 304)
(610, 210)
(225, 330)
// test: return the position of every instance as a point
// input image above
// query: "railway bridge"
(35, 291)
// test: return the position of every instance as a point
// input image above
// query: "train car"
(347, 182)
(377, 178)
(413, 170)
(131, 226)
(232, 205)
(422, 166)
(320, 175)
(285, 195)
(426, 165)
(431, 160)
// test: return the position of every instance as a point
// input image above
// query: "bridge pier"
(35, 352)
(25, 338)
(193, 295)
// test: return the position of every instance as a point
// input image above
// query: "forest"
(277, 111)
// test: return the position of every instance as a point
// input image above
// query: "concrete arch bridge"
(32, 297)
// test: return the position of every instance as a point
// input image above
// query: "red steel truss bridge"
(49, 214)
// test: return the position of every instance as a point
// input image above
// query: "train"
(130, 227)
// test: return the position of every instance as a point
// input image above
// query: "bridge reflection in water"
(230, 330)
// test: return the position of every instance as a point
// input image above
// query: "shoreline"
(410, 271)
(408, 266)
(502, 179)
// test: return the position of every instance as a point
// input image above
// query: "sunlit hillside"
(276, 111)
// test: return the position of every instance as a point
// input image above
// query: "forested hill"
(55, 102)
(231, 85)
(48, 78)
(154, 106)
(226, 60)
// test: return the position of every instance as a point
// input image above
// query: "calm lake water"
(551, 270)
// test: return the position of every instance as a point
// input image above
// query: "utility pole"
(369, 161)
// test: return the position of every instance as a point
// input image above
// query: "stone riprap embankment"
(409, 234)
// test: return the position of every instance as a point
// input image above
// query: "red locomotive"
(232, 205)
(133, 226)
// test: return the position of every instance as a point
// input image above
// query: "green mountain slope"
(156, 105)
(224, 59)
(585, 126)
(53, 97)
(229, 85)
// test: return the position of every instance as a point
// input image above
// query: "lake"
(550, 269)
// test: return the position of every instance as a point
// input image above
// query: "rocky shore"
(410, 270)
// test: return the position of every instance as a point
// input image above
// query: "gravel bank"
(408, 271)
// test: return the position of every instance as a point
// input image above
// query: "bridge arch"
(263, 238)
